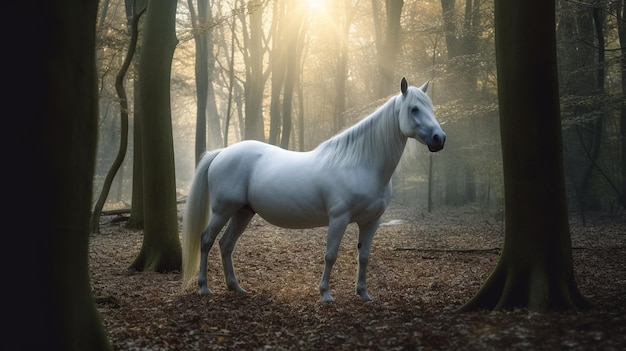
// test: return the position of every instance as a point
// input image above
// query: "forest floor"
(423, 267)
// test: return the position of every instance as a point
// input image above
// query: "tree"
(287, 38)
(621, 20)
(204, 67)
(121, 93)
(201, 69)
(135, 220)
(387, 44)
(254, 84)
(343, 15)
(51, 306)
(535, 270)
(161, 249)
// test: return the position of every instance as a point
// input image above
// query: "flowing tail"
(196, 219)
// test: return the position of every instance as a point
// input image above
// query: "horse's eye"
(415, 109)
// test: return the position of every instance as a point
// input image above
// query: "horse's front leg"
(366, 234)
(209, 235)
(336, 229)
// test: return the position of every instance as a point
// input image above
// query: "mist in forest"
(294, 73)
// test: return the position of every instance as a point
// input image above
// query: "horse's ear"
(404, 86)
(424, 87)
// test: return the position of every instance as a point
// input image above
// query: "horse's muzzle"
(437, 142)
(435, 148)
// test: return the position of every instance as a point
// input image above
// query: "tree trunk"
(50, 306)
(198, 22)
(231, 79)
(294, 36)
(213, 118)
(535, 270)
(279, 69)
(254, 84)
(387, 44)
(135, 221)
(161, 250)
(593, 150)
(430, 182)
(621, 26)
(121, 93)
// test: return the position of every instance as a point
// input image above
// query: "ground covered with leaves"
(423, 267)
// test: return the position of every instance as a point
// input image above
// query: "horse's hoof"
(326, 298)
(365, 295)
(238, 290)
(205, 291)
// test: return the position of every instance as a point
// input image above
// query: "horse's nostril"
(436, 139)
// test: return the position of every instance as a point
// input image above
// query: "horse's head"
(417, 119)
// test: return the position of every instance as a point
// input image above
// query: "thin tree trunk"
(430, 183)
(121, 153)
(198, 22)
(231, 79)
(621, 25)
(596, 125)
(295, 37)
(135, 221)
(388, 44)
(254, 84)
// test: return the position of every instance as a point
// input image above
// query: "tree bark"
(231, 84)
(201, 70)
(621, 26)
(294, 40)
(135, 221)
(343, 17)
(161, 250)
(387, 44)
(50, 303)
(535, 270)
(255, 82)
(278, 68)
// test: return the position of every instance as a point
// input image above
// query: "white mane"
(372, 140)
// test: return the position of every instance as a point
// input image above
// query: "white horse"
(345, 179)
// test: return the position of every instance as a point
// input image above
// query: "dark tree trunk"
(535, 270)
(161, 250)
(621, 25)
(50, 306)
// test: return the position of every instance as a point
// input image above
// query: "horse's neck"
(376, 142)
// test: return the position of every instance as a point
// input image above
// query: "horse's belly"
(288, 208)
(292, 217)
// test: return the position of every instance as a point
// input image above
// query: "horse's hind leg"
(216, 223)
(366, 234)
(238, 224)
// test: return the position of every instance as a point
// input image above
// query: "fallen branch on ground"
(494, 250)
